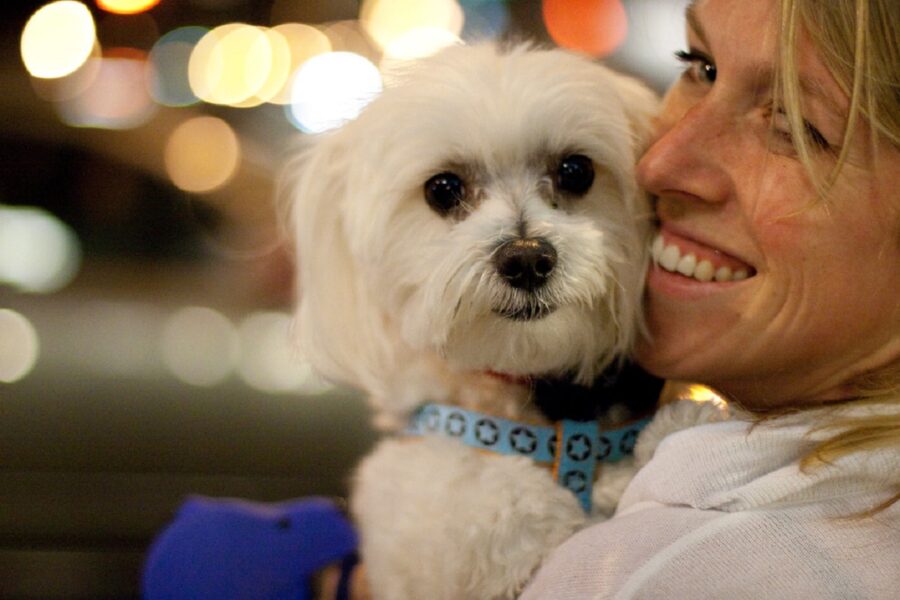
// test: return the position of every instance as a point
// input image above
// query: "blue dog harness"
(573, 447)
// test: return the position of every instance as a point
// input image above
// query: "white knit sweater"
(722, 511)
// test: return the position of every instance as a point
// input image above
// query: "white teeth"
(704, 271)
(668, 256)
(686, 265)
(723, 274)
(657, 248)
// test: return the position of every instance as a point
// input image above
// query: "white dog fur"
(405, 303)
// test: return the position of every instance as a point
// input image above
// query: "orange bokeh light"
(595, 27)
(126, 7)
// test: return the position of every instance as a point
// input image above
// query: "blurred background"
(145, 284)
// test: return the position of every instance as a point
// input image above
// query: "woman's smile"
(705, 262)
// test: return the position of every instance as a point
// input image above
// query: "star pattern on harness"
(551, 445)
(578, 447)
(487, 432)
(571, 446)
(576, 481)
(604, 447)
(456, 424)
(431, 418)
(523, 440)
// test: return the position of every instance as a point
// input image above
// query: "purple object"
(227, 549)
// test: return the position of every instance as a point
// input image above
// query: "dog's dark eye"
(444, 192)
(575, 174)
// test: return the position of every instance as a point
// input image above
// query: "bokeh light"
(38, 252)
(124, 337)
(19, 346)
(304, 42)
(202, 154)
(350, 36)
(484, 19)
(200, 346)
(126, 7)
(418, 43)
(73, 84)
(270, 361)
(230, 64)
(331, 89)
(595, 27)
(701, 393)
(168, 72)
(278, 73)
(57, 39)
(117, 97)
(386, 20)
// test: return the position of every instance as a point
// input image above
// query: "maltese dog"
(476, 228)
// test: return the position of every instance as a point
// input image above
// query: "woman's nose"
(686, 157)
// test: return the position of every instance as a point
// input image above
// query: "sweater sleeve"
(657, 551)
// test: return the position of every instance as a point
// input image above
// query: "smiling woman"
(812, 298)
(776, 280)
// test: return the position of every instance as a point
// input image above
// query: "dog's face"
(484, 210)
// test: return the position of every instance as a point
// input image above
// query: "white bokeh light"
(304, 42)
(270, 361)
(279, 68)
(19, 346)
(331, 89)
(419, 43)
(38, 252)
(57, 39)
(230, 64)
(386, 20)
(199, 346)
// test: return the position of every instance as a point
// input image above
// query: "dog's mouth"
(531, 311)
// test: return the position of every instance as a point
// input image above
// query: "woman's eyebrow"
(693, 21)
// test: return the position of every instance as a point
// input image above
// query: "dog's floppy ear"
(641, 105)
(340, 331)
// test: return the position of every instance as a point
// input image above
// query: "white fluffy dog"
(476, 226)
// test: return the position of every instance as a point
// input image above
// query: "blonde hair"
(859, 43)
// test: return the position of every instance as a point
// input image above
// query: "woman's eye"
(444, 192)
(699, 67)
(782, 127)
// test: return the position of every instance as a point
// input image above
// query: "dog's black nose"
(526, 263)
